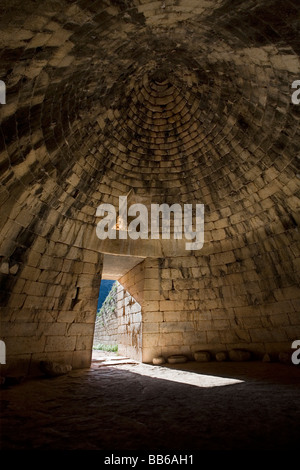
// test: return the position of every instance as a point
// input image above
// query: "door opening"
(106, 325)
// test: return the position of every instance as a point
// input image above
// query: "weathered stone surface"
(221, 356)
(177, 359)
(129, 297)
(173, 102)
(4, 267)
(202, 356)
(159, 360)
(239, 355)
(54, 369)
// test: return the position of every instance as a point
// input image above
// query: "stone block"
(60, 343)
(34, 259)
(54, 369)
(280, 320)
(159, 360)
(213, 337)
(177, 359)
(235, 335)
(152, 317)
(39, 245)
(19, 286)
(151, 273)
(67, 316)
(267, 335)
(51, 329)
(176, 326)
(19, 329)
(81, 329)
(171, 339)
(150, 328)
(85, 280)
(67, 265)
(35, 288)
(30, 273)
(4, 267)
(152, 284)
(168, 305)
(17, 301)
(81, 359)
(84, 343)
(151, 340)
(89, 268)
(174, 316)
(37, 303)
(202, 356)
(223, 258)
(24, 345)
(151, 295)
(221, 356)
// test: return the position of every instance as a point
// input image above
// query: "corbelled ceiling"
(184, 100)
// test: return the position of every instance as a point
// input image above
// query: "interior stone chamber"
(184, 102)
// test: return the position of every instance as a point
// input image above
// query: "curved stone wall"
(177, 102)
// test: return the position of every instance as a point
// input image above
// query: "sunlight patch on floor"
(179, 376)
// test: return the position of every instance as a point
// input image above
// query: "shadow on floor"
(215, 406)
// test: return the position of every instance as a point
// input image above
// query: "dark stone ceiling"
(185, 101)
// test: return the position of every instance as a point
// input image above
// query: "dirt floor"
(118, 405)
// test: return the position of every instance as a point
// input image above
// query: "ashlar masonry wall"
(106, 325)
(168, 322)
(130, 293)
(245, 296)
(220, 301)
(48, 306)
